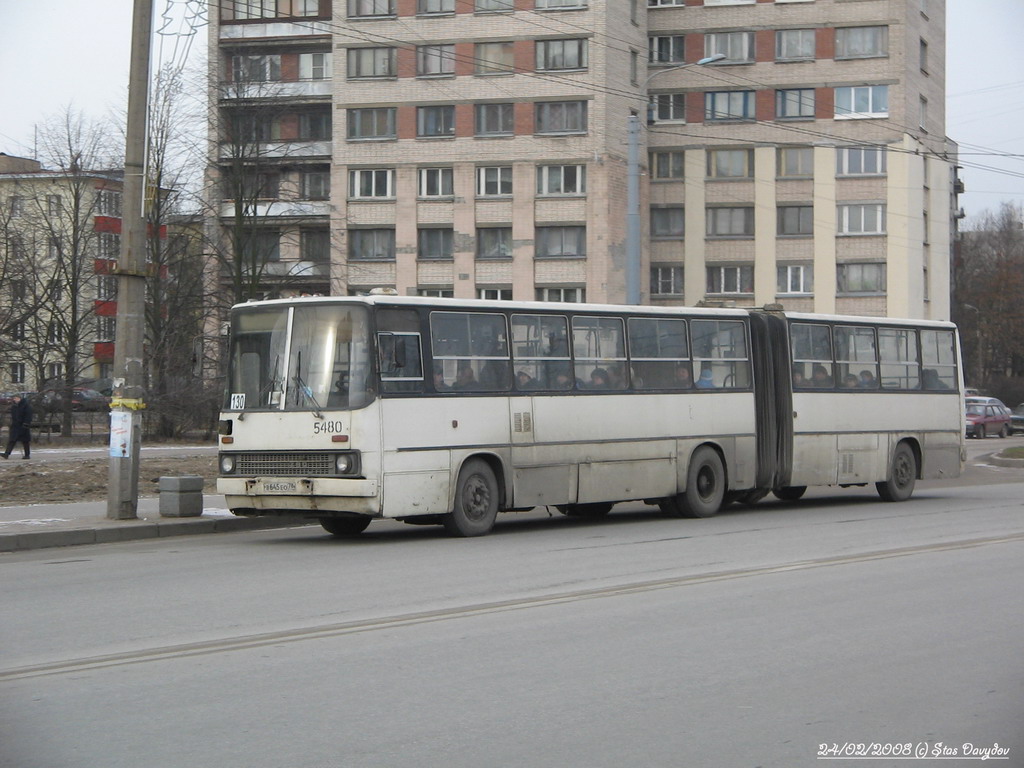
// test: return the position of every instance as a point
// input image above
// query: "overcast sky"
(69, 52)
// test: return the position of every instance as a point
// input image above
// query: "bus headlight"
(227, 464)
(347, 463)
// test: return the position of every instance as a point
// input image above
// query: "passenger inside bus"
(706, 380)
(867, 380)
(682, 379)
(599, 379)
(465, 378)
(821, 377)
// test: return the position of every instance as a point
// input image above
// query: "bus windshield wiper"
(268, 388)
(301, 388)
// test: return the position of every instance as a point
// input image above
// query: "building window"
(569, 295)
(561, 117)
(17, 373)
(737, 47)
(922, 55)
(561, 54)
(795, 162)
(435, 60)
(730, 222)
(862, 219)
(17, 206)
(667, 223)
(264, 68)
(316, 184)
(796, 220)
(494, 294)
(729, 105)
(667, 107)
(794, 103)
(494, 58)
(437, 182)
(108, 203)
(250, 9)
(435, 243)
(435, 6)
(495, 119)
(862, 42)
(561, 179)
(731, 279)
(261, 245)
(494, 243)
(315, 126)
(731, 163)
(315, 245)
(860, 278)
(315, 66)
(923, 114)
(434, 122)
(371, 183)
(109, 245)
(362, 8)
(371, 62)
(372, 123)
(561, 242)
(729, 2)
(371, 244)
(862, 101)
(436, 293)
(666, 165)
(106, 328)
(18, 331)
(494, 6)
(492, 181)
(794, 45)
(860, 161)
(665, 49)
(53, 205)
(795, 279)
(664, 3)
(106, 288)
(54, 371)
(666, 281)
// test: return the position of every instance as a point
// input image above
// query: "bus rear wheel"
(476, 501)
(344, 526)
(705, 485)
(902, 475)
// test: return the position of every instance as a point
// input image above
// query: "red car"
(987, 416)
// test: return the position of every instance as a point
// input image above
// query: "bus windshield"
(301, 358)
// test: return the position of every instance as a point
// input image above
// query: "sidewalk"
(62, 525)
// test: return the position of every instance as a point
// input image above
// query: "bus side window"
(811, 347)
(401, 366)
(938, 355)
(900, 367)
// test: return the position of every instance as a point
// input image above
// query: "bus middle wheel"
(476, 501)
(705, 485)
(344, 526)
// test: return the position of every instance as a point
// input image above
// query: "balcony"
(281, 209)
(277, 150)
(229, 31)
(300, 89)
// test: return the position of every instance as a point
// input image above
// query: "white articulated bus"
(447, 411)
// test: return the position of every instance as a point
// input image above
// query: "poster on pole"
(120, 434)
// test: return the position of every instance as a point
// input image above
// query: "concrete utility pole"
(128, 401)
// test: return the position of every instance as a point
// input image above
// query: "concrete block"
(181, 496)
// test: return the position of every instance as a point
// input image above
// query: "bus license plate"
(279, 487)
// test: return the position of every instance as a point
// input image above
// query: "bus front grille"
(286, 464)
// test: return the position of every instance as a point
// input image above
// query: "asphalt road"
(749, 639)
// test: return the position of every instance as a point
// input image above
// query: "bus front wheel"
(344, 526)
(705, 485)
(902, 475)
(476, 501)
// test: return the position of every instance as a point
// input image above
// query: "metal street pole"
(128, 400)
(633, 245)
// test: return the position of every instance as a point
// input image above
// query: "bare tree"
(989, 283)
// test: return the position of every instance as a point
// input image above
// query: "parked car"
(1017, 419)
(987, 416)
(82, 399)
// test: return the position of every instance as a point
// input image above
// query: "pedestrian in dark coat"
(21, 419)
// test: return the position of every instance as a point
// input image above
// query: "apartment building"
(789, 151)
(60, 235)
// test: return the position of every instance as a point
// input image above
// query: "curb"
(999, 461)
(112, 531)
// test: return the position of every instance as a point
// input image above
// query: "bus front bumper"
(273, 495)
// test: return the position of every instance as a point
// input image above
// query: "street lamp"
(633, 185)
